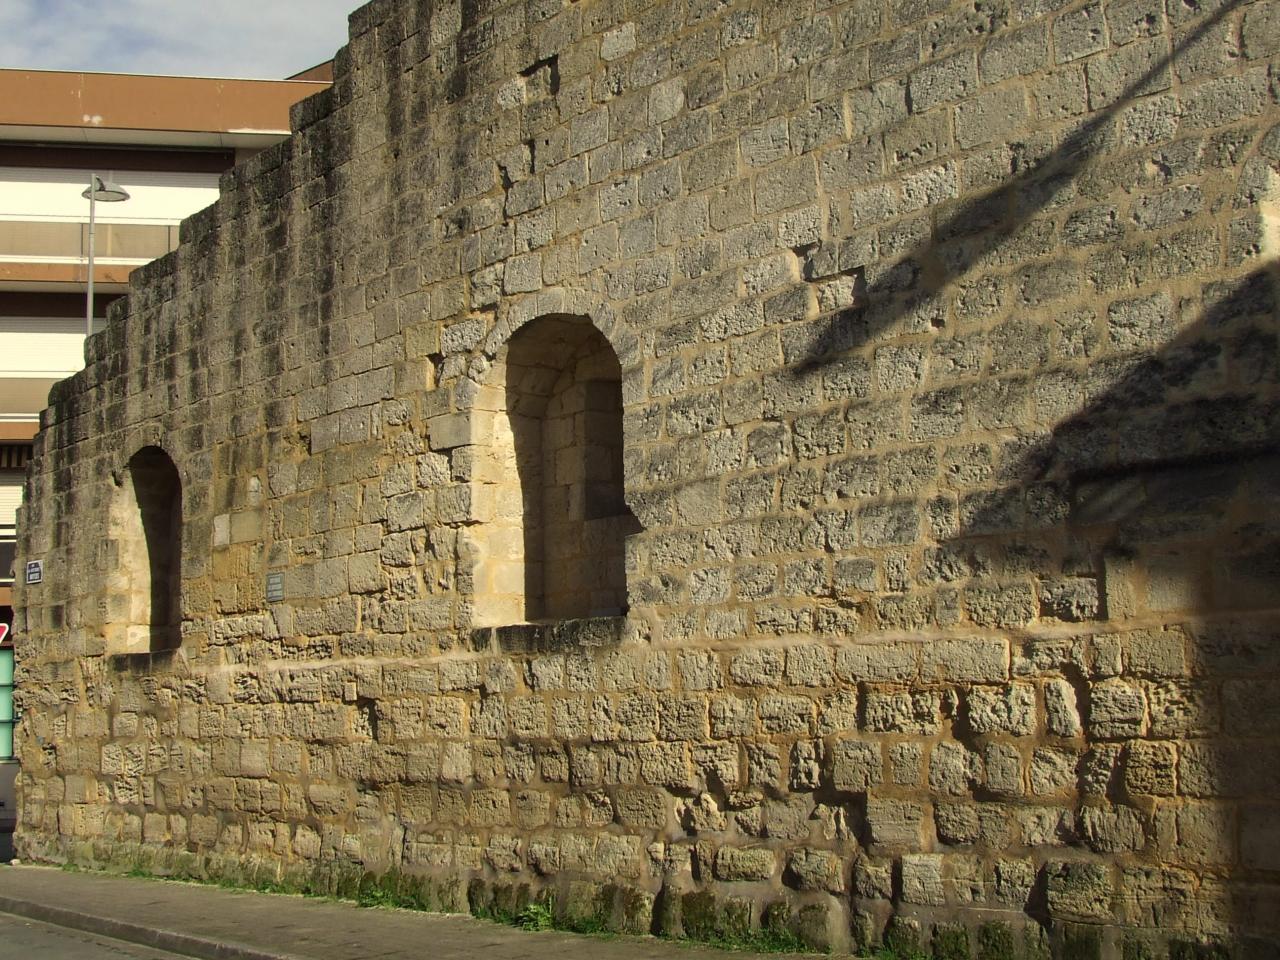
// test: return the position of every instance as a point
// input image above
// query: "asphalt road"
(22, 939)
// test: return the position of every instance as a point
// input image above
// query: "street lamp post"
(108, 192)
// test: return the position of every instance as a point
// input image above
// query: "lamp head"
(104, 190)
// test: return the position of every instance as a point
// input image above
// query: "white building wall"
(30, 193)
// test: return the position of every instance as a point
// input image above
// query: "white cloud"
(218, 38)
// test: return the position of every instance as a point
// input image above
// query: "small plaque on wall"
(35, 571)
(275, 587)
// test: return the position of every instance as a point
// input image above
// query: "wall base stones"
(935, 806)
(914, 364)
(731, 919)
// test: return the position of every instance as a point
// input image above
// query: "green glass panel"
(6, 741)
(6, 665)
(6, 704)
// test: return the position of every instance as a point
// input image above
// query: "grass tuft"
(537, 916)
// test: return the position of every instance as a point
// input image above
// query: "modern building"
(166, 141)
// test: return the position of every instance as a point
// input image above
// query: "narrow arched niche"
(547, 486)
(145, 612)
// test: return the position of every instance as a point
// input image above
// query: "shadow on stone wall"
(972, 232)
(1150, 518)
(1153, 503)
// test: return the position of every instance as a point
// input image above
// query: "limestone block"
(856, 765)
(1010, 710)
(922, 881)
(737, 863)
(1080, 890)
(900, 711)
(1062, 716)
(894, 822)
(757, 667)
(813, 869)
(1114, 830)
(1117, 709)
(954, 769)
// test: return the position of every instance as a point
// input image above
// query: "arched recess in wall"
(547, 486)
(145, 609)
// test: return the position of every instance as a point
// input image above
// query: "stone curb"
(170, 940)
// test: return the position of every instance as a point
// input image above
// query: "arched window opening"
(146, 612)
(548, 488)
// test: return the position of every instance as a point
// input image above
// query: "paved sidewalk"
(217, 924)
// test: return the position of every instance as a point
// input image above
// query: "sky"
(267, 39)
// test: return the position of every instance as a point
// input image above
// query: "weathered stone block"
(894, 822)
(810, 869)
(1080, 890)
(736, 863)
(922, 879)
(1117, 709)
(856, 765)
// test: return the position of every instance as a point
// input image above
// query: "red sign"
(4, 632)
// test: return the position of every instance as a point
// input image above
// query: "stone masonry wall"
(948, 348)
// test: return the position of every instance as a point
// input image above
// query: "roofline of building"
(77, 106)
(26, 275)
(295, 79)
(321, 71)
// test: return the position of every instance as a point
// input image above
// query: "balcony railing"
(59, 241)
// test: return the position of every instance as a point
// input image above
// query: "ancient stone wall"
(942, 342)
